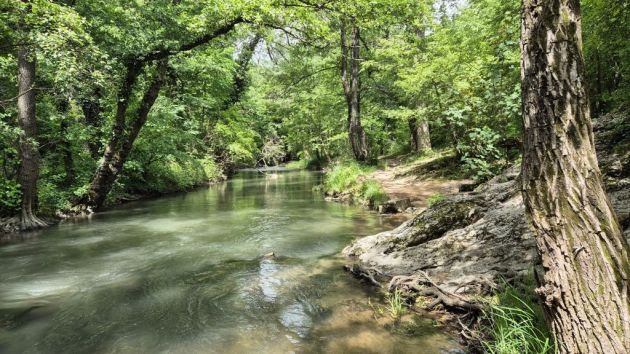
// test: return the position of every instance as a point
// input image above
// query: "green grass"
(351, 177)
(395, 305)
(435, 198)
(302, 164)
(517, 324)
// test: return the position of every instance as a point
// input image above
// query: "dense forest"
(105, 101)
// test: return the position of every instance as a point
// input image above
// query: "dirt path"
(417, 181)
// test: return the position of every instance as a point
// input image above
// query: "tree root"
(422, 284)
(369, 274)
(30, 221)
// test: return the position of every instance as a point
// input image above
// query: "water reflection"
(184, 274)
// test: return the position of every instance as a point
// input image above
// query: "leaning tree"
(583, 252)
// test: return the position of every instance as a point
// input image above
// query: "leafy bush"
(481, 157)
(517, 323)
(10, 197)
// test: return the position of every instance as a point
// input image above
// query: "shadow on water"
(184, 274)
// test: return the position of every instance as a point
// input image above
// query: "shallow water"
(184, 274)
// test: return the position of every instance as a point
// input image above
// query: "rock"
(394, 206)
(469, 242)
(468, 187)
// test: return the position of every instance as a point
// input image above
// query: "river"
(186, 274)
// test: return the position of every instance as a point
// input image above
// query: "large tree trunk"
(29, 155)
(584, 255)
(123, 137)
(420, 135)
(352, 90)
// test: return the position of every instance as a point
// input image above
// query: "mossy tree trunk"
(584, 254)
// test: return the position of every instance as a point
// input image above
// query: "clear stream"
(185, 274)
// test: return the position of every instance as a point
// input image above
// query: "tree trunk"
(121, 143)
(352, 90)
(240, 77)
(584, 255)
(29, 155)
(420, 135)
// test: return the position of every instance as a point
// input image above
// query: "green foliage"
(481, 156)
(351, 177)
(373, 192)
(607, 53)
(10, 197)
(435, 198)
(301, 164)
(517, 323)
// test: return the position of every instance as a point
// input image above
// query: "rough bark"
(420, 135)
(584, 255)
(29, 155)
(351, 57)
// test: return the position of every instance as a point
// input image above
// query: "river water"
(185, 274)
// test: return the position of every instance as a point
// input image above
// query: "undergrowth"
(516, 322)
(351, 177)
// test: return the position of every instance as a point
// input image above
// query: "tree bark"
(584, 255)
(420, 135)
(352, 90)
(29, 155)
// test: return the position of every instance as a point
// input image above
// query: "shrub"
(481, 156)
(10, 197)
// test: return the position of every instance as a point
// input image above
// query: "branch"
(166, 52)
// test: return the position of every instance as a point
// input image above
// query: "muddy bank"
(468, 243)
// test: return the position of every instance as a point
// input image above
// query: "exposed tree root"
(423, 285)
(30, 221)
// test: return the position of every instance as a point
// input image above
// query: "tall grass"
(351, 177)
(517, 323)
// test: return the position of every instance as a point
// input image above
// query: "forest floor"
(420, 179)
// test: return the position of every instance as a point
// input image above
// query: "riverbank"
(463, 249)
(405, 184)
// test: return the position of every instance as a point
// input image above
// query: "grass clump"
(396, 306)
(435, 198)
(517, 324)
(351, 178)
